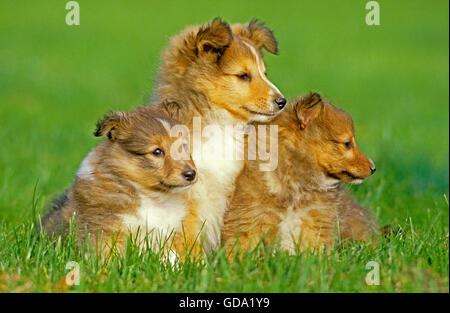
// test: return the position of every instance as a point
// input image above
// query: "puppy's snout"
(189, 175)
(372, 167)
(280, 102)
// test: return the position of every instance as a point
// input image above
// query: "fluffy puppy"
(302, 203)
(130, 184)
(215, 73)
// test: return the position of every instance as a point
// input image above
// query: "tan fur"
(200, 72)
(302, 203)
(188, 241)
(215, 71)
(122, 174)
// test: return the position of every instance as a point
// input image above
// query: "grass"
(57, 80)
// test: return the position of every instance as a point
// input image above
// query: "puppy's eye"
(158, 152)
(348, 144)
(244, 76)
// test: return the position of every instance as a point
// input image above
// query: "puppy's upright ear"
(258, 34)
(213, 37)
(115, 125)
(308, 108)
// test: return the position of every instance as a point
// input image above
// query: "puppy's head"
(140, 149)
(224, 63)
(328, 134)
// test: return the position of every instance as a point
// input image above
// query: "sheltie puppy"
(215, 73)
(131, 185)
(302, 203)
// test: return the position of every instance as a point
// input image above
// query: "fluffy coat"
(215, 72)
(302, 204)
(130, 185)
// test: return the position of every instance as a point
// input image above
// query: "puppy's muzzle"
(372, 167)
(280, 102)
(189, 175)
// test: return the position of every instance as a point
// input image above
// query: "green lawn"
(57, 80)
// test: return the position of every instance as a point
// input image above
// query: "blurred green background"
(57, 80)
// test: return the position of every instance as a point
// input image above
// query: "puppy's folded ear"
(172, 109)
(258, 34)
(214, 37)
(115, 125)
(308, 108)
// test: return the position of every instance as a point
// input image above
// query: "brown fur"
(215, 71)
(119, 174)
(200, 72)
(302, 203)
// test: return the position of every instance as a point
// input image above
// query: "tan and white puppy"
(215, 74)
(130, 184)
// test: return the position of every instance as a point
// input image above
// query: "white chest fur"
(158, 216)
(217, 174)
(290, 229)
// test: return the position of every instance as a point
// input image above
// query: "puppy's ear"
(214, 37)
(258, 34)
(308, 108)
(172, 109)
(114, 125)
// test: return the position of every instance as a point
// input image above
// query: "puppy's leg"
(187, 241)
(358, 224)
(246, 241)
(237, 243)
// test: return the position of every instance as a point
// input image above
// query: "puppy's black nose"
(189, 175)
(281, 102)
(373, 169)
